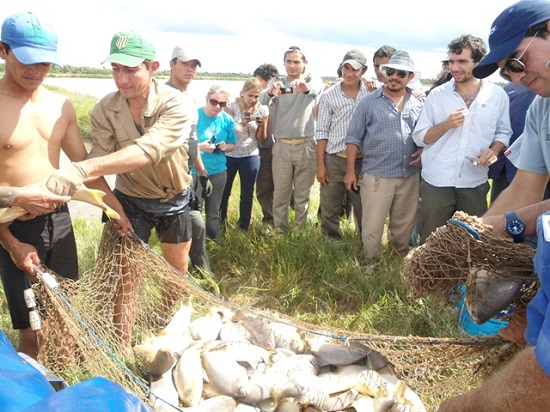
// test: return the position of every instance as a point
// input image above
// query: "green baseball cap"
(130, 49)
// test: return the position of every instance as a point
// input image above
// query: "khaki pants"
(383, 196)
(294, 169)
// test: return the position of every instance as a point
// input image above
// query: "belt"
(344, 155)
(299, 140)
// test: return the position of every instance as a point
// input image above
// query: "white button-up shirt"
(445, 162)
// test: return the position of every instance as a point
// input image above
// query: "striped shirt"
(384, 134)
(444, 162)
(335, 112)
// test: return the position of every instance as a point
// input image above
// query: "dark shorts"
(53, 237)
(172, 225)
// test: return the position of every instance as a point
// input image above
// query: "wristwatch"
(515, 226)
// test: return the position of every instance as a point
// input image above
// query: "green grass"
(83, 105)
(303, 274)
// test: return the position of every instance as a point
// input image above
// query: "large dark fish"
(493, 293)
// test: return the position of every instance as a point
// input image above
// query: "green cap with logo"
(130, 49)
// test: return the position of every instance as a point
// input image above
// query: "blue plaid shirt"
(384, 134)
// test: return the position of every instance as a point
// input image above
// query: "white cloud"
(238, 36)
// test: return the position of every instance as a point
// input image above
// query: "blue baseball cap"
(31, 40)
(508, 30)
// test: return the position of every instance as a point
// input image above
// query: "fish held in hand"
(91, 196)
(492, 293)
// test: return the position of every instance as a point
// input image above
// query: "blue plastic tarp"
(24, 389)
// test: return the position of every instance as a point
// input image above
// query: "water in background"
(102, 87)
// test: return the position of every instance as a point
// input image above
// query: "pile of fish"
(227, 361)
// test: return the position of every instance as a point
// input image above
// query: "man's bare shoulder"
(41, 96)
(47, 96)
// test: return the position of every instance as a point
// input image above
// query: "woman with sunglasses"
(217, 136)
(251, 120)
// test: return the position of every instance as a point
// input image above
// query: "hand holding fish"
(36, 200)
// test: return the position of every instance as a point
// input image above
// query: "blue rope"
(467, 227)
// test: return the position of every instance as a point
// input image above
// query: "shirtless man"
(35, 124)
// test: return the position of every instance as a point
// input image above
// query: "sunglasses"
(513, 65)
(388, 72)
(214, 102)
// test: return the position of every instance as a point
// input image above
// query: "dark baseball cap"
(355, 58)
(508, 30)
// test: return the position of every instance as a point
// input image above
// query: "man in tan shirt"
(140, 133)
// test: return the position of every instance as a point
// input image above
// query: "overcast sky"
(238, 36)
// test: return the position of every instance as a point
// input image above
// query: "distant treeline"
(72, 71)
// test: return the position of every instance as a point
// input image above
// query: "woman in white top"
(251, 124)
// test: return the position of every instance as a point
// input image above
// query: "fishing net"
(93, 324)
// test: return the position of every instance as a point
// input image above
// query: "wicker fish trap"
(465, 251)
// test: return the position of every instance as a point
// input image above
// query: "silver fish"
(287, 366)
(224, 373)
(405, 396)
(251, 356)
(220, 403)
(363, 404)
(271, 335)
(174, 343)
(246, 407)
(163, 395)
(235, 331)
(334, 353)
(179, 324)
(260, 385)
(188, 376)
(207, 327)
(289, 405)
(308, 390)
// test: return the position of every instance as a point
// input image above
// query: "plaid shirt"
(384, 134)
(335, 112)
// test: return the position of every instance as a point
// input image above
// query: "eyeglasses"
(513, 65)
(214, 102)
(389, 72)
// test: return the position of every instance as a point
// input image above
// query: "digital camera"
(217, 149)
(253, 117)
(286, 90)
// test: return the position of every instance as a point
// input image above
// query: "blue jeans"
(247, 167)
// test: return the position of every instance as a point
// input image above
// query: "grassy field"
(302, 274)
